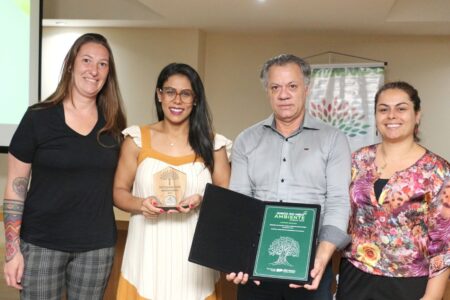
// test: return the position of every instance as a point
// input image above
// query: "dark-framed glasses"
(169, 94)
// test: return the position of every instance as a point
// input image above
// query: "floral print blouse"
(405, 233)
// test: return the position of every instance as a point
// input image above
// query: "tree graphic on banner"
(343, 96)
(341, 114)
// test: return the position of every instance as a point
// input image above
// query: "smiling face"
(178, 109)
(90, 71)
(287, 92)
(395, 116)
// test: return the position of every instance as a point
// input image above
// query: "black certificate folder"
(267, 240)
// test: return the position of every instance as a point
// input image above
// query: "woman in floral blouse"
(400, 223)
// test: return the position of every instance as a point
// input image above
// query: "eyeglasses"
(169, 94)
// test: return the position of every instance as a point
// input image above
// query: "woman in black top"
(60, 230)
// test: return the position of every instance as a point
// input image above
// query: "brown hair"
(109, 99)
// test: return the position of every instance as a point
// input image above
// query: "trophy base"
(166, 208)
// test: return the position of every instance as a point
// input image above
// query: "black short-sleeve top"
(69, 204)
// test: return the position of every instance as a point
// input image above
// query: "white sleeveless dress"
(155, 264)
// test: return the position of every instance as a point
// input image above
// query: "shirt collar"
(309, 122)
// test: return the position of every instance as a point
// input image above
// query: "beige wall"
(230, 63)
(139, 55)
(236, 96)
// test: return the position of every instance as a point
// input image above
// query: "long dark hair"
(201, 136)
(109, 99)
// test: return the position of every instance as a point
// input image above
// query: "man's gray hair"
(284, 59)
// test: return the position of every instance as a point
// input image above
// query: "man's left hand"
(316, 274)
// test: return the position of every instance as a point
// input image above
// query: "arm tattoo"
(12, 212)
(20, 186)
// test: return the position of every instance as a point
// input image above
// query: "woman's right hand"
(237, 278)
(150, 209)
(13, 271)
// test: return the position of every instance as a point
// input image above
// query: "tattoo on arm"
(20, 186)
(12, 212)
(12, 215)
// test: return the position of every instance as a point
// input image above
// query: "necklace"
(175, 140)
(172, 142)
(380, 169)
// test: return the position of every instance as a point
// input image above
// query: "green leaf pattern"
(341, 114)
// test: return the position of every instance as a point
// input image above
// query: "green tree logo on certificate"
(284, 247)
(284, 232)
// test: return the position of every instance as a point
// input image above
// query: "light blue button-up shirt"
(312, 165)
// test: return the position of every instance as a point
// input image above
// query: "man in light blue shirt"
(292, 157)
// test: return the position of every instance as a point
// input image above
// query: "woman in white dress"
(180, 145)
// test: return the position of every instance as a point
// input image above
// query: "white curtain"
(343, 95)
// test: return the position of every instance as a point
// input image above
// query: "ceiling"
(393, 17)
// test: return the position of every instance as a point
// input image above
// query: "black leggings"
(356, 284)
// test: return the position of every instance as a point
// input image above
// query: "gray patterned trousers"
(50, 273)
